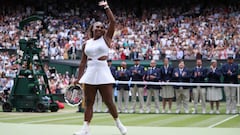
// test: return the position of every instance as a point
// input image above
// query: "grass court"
(67, 121)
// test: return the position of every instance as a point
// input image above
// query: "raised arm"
(112, 21)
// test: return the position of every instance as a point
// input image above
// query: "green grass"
(68, 116)
(233, 123)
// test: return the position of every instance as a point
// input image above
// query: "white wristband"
(106, 7)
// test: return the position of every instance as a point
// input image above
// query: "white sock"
(121, 127)
(85, 124)
(117, 120)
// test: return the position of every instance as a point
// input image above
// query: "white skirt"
(97, 72)
(214, 94)
(167, 92)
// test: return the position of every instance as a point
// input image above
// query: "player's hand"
(103, 3)
(76, 82)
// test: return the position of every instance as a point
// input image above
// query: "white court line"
(49, 129)
(220, 122)
(55, 119)
(20, 116)
(39, 121)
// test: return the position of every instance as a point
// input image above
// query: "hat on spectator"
(212, 61)
(136, 59)
(230, 56)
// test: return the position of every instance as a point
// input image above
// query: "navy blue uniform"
(123, 89)
(137, 73)
(230, 76)
(113, 71)
(233, 77)
(182, 92)
(166, 74)
(198, 75)
(214, 76)
(183, 76)
(154, 72)
(138, 76)
(123, 75)
(214, 93)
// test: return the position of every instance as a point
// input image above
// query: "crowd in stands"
(9, 68)
(177, 33)
(199, 31)
(58, 82)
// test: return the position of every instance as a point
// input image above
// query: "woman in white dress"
(214, 94)
(98, 75)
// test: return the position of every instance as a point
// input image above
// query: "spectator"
(214, 94)
(230, 72)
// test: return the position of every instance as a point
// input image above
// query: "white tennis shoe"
(84, 131)
(121, 127)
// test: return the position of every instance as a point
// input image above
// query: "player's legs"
(90, 93)
(106, 92)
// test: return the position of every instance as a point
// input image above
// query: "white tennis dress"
(97, 71)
